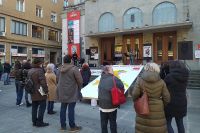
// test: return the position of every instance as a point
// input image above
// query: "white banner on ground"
(127, 74)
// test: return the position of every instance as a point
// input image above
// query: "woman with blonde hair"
(158, 97)
(51, 83)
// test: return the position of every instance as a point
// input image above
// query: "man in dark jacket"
(38, 99)
(176, 82)
(7, 68)
(68, 92)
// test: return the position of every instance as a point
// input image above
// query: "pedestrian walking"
(26, 66)
(51, 83)
(18, 82)
(38, 100)
(75, 58)
(1, 69)
(158, 97)
(176, 82)
(86, 74)
(108, 112)
(7, 69)
(69, 87)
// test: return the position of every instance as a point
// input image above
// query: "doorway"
(53, 57)
(107, 51)
(165, 47)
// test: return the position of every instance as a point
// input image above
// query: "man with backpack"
(36, 82)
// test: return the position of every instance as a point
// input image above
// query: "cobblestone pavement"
(14, 119)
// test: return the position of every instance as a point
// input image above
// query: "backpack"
(29, 85)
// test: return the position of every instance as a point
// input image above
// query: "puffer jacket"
(69, 84)
(158, 96)
(176, 82)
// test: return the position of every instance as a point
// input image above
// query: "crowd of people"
(165, 87)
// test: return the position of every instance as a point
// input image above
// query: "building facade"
(156, 31)
(30, 29)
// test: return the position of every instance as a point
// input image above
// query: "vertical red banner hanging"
(73, 26)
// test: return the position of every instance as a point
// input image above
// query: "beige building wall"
(9, 12)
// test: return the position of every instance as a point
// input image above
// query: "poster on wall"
(147, 51)
(197, 54)
(73, 28)
(93, 53)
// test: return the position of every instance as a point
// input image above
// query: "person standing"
(86, 74)
(108, 112)
(38, 100)
(68, 92)
(51, 83)
(176, 82)
(132, 57)
(75, 58)
(7, 69)
(158, 97)
(26, 66)
(18, 82)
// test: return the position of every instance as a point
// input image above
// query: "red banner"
(73, 15)
(198, 46)
(73, 27)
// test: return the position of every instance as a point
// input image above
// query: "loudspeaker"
(185, 50)
(87, 51)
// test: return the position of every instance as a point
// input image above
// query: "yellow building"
(30, 29)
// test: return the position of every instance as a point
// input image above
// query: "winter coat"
(1, 67)
(158, 96)
(69, 84)
(18, 74)
(104, 90)
(86, 74)
(39, 80)
(7, 68)
(176, 82)
(51, 83)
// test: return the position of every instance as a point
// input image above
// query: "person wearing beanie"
(38, 100)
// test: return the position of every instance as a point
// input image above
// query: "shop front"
(2, 53)
(38, 53)
(18, 53)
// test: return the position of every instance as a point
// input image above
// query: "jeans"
(179, 123)
(38, 115)
(50, 106)
(63, 108)
(111, 116)
(7, 79)
(26, 96)
(19, 91)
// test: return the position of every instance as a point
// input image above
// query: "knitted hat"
(37, 61)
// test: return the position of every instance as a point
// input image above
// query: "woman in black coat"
(176, 82)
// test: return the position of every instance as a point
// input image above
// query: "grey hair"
(50, 67)
(152, 67)
(106, 69)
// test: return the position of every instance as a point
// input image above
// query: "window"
(54, 1)
(37, 32)
(39, 11)
(133, 18)
(106, 22)
(53, 17)
(18, 28)
(164, 13)
(20, 6)
(2, 24)
(2, 48)
(53, 35)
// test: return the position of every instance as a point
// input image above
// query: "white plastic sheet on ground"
(127, 74)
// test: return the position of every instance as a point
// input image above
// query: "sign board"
(73, 34)
(147, 51)
(127, 74)
(197, 54)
